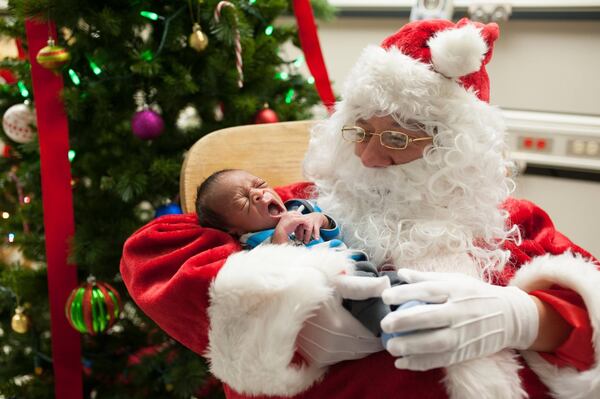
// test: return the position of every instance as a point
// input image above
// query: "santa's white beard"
(409, 214)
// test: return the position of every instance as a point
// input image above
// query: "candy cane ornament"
(238, 44)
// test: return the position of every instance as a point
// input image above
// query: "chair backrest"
(272, 151)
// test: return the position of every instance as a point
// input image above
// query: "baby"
(244, 205)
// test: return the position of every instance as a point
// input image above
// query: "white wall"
(537, 65)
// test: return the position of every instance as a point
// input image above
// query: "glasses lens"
(394, 139)
(353, 133)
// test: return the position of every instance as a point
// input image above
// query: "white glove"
(465, 318)
(333, 335)
(360, 287)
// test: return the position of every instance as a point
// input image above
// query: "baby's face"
(247, 202)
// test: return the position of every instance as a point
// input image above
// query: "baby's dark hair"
(207, 217)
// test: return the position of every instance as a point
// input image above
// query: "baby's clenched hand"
(304, 227)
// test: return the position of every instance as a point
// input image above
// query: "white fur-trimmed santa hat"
(459, 51)
(422, 66)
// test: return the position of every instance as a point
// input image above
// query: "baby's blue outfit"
(330, 238)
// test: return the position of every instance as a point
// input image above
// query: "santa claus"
(412, 166)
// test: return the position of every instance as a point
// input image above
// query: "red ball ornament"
(93, 307)
(266, 115)
(147, 124)
(4, 150)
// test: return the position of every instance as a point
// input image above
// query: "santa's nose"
(374, 155)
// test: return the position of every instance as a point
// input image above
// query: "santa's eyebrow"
(413, 122)
(362, 122)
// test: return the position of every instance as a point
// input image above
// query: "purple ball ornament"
(147, 124)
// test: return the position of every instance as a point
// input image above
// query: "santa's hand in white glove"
(333, 335)
(464, 318)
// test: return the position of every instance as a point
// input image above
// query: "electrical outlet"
(489, 12)
(577, 147)
(584, 147)
(431, 9)
(592, 148)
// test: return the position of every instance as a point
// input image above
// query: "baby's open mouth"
(275, 209)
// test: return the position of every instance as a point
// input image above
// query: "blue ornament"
(169, 209)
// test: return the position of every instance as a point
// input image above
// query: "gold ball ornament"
(198, 40)
(53, 57)
(20, 321)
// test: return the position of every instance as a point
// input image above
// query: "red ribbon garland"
(59, 222)
(309, 40)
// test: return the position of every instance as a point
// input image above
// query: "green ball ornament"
(93, 307)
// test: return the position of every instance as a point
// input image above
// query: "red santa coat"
(243, 311)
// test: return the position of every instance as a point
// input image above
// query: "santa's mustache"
(392, 185)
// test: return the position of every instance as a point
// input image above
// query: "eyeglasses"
(388, 138)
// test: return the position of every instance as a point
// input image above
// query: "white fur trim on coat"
(492, 377)
(582, 276)
(258, 303)
(457, 52)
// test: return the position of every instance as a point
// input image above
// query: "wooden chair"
(272, 151)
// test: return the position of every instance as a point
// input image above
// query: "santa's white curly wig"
(446, 202)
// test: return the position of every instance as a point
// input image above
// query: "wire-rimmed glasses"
(388, 138)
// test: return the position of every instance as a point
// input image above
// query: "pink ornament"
(147, 124)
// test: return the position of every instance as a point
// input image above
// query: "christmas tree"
(145, 80)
